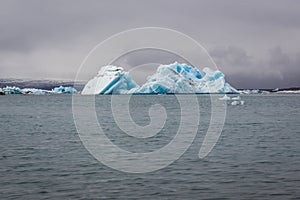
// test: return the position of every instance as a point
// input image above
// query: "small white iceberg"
(236, 98)
(235, 103)
(225, 98)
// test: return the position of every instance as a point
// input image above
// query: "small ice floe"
(235, 103)
(225, 98)
(236, 98)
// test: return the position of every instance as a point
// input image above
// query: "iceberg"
(214, 82)
(35, 91)
(235, 103)
(236, 98)
(64, 90)
(12, 90)
(168, 79)
(254, 91)
(182, 78)
(173, 78)
(225, 98)
(289, 91)
(110, 79)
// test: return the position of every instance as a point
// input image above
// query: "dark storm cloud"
(50, 38)
(277, 69)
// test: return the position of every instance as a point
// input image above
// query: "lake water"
(257, 155)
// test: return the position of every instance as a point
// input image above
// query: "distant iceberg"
(237, 98)
(168, 79)
(235, 103)
(35, 91)
(225, 98)
(289, 91)
(254, 91)
(64, 90)
(12, 90)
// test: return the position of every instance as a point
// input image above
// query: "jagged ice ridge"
(168, 79)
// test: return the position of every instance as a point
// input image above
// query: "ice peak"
(110, 70)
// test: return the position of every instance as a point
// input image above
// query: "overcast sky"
(255, 43)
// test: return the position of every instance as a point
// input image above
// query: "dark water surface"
(256, 157)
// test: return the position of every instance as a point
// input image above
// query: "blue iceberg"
(12, 90)
(182, 78)
(168, 79)
(64, 90)
(35, 91)
(171, 79)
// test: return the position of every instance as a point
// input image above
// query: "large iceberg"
(173, 78)
(183, 78)
(168, 79)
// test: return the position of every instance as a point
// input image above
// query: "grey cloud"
(278, 69)
(49, 39)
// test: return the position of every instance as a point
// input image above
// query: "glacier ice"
(250, 91)
(64, 90)
(174, 78)
(237, 98)
(225, 98)
(110, 79)
(168, 79)
(235, 103)
(35, 91)
(12, 90)
(182, 78)
(289, 91)
(255, 91)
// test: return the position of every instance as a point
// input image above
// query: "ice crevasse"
(168, 79)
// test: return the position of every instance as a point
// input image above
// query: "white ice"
(172, 78)
(225, 98)
(35, 91)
